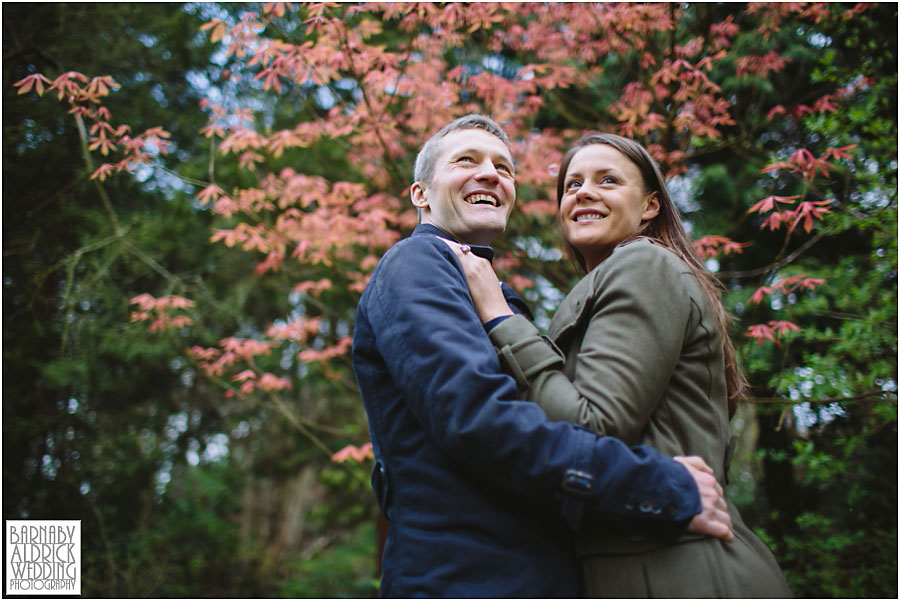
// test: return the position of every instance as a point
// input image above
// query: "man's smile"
(482, 198)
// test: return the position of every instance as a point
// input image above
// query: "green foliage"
(100, 416)
(835, 532)
(342, 570)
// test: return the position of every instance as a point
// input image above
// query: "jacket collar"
(427, 229)
(581, 298)
(573, 307)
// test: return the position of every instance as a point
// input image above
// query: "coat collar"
(427, 229)
(573, 307)
(582, 297)
(486, 252)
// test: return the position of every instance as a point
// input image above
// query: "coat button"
(577, 482)
(671, 510)
(630, 502)
(646, 506)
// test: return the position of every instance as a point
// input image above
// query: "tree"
(105, 421)
(754, 111)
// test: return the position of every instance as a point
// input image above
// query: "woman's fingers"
(457, 248)
(482, 281)
(469, 261)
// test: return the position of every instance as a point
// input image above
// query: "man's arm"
(436, 350)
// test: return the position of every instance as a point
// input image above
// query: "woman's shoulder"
(641, 257)
(646, 247)
(640, 269)
(643, 266)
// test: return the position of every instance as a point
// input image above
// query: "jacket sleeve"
(435, 348)
(630, 347)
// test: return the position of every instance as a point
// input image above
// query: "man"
(481, 490)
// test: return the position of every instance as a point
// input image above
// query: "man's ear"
(417, 194)
(651, 207)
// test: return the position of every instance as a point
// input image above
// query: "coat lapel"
(572, 309)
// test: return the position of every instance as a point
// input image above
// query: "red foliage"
(711, 246)
(773, 331)
(786, 286)
(389, 97)
(354, 453)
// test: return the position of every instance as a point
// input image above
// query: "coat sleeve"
(436, 350)
(631, 344)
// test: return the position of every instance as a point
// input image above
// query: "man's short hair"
(424, 169)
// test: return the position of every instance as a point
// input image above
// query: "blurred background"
(177, 302)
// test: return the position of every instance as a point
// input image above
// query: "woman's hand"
(483, 283)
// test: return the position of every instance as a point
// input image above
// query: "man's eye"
(466, 159)
(502, 167)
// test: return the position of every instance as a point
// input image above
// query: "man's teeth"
(588, 217)
(481, 198)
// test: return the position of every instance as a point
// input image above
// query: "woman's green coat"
(634, 352)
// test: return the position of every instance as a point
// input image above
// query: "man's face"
(473, 188)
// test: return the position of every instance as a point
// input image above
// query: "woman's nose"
(584, 193)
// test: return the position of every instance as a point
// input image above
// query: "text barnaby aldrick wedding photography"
(43, 556)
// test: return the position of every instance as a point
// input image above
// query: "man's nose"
(487, 172)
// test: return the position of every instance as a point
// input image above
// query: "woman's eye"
(573, 184)
(608, 180)
(502, 167)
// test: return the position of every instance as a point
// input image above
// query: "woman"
(646, 359)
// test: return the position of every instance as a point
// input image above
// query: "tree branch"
(82, 133)
(886, 396)
(773, 266)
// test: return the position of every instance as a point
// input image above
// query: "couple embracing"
(587, 462)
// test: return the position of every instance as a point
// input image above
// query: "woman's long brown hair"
(667, 229)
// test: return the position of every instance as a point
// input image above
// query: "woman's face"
(603, 202)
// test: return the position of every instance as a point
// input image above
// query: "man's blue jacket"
(481, 489)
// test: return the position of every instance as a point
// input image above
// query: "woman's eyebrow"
(607, 170)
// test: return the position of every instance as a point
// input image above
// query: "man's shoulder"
(413, 244)
(416, 251)
(420, 261)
